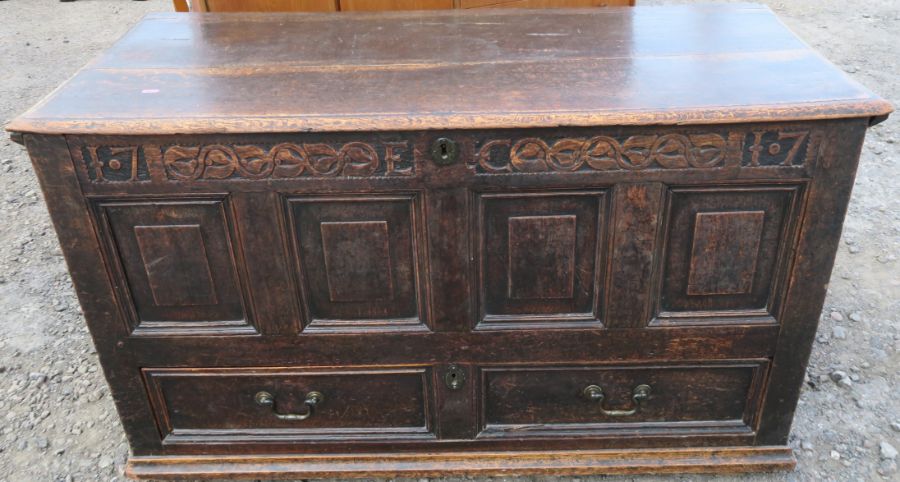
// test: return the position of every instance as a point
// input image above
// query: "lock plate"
(454, 377)
(444, 151)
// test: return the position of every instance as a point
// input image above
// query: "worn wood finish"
(450, 295)
(388, 465)
(191, 73)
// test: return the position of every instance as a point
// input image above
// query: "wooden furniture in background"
(596, 246)
(371, 5)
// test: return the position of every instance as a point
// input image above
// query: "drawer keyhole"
(455, 377)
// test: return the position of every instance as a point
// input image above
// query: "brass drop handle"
(595, 394)
(266, 399)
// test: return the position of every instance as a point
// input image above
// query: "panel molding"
(785, 235)
(125, 298)
(314, 322)
(564, 207)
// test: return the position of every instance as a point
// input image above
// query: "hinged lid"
(217, 73)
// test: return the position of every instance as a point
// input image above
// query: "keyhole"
(444, 151)
(454, 378)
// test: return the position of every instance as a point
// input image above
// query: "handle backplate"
(640, 394)
(266, 399)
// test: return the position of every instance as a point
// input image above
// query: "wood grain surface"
(212, 73)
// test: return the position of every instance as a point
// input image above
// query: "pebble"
(37, 376)
(839, 332)
(837, 316)
(895, 426)
(888, 452)
(42, 443)
(835, 455)
(856, 316)
(841, 379)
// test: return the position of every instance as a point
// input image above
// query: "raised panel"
(542, 257)
(537, 258)
(358, 261)
(725, 254)
(178, 267)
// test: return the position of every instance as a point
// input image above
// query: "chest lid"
(259, 73)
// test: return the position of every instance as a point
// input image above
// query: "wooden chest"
(469, 243)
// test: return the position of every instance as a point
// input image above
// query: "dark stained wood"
(668, 218)
(635, 234)
(219, 405)
(537, 256)
(725, 249)
(549, 401)
(820, 232)
(358, 260)
(176, 73)
(175, 264)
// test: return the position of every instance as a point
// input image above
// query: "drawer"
(715, 398)
(246, 405)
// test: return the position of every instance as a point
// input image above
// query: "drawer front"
(700, 398)
(246, 405)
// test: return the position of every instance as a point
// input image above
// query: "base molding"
(437, 464)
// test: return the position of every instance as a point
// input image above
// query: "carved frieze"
(487, 154)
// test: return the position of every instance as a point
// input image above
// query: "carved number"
(774, 149)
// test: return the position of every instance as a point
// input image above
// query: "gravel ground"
(57, 421)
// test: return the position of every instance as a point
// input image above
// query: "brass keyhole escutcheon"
(455, 377)
(444, 151)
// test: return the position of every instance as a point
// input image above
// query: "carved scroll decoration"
(246, 161)
(774, 148)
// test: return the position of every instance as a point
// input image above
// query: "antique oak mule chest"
(495, 242)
